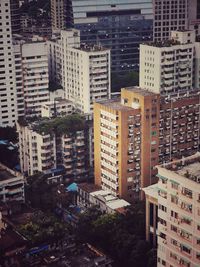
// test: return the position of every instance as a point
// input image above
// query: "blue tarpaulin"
(72, 188)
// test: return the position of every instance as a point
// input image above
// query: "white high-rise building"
(8, 98)
(84, 70)
(31, 64)
(35, 77)
(167, 67)
(172, 15)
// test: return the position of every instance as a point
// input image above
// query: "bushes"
(63, 125)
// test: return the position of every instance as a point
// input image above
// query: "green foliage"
(39, 193)
(120, 81)
(43, 228)
(44, 196)
(122, 236)
(62, 125)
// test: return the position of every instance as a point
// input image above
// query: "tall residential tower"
(8, 98)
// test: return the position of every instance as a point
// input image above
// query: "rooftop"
(89, 256)
(151, 191)
(139, 90)
(110, 200)
(187, 167)
(165, 43)
(89, 188)
(114, 104)
(68, 124)
(91, 48)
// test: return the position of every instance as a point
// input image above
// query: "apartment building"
(83, 70)
(61, 14)
(126, 137)
(178, 137)
(169, 129)
(8, 97)
(117, 25)
(11, 185)
(179, 127)
(167, 66)
(19, 80)
(53, 145)
(32, 76)
(178, 213)
(172, 15)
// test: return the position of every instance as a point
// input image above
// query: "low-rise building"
(92, 195)
(57, 108)
(11, 185)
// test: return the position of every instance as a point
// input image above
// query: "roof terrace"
(187, 167)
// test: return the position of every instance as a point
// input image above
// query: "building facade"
(50, 150)
(178, 213)
(82, 70)
(8, 96)
(32, 77)
(167, 66)
(126, 137)
(118, 25)
(170, 15)
(57, 108)
(61, 14)
(179, 127)
(15, 16)
(168, 129)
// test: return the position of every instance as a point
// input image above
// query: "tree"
(120, 235)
